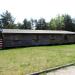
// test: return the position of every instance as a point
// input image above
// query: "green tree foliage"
(41, 24)
(19, 26)
(73, 24)
(32, 21)
(52, 24)
(63, 22)
(57, 23)
(1, 24)
(60, 22)
(7, 20)
(35, 23)
(68, 23)
(26, 25)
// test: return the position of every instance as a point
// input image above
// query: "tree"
(32, 21)
(57, 23)
(52, 24)
(73, 24)
(26, 24)
(19, 26)
(7, 20)
(41, 24)
(35, 23)
(1, 25)
(68, 23)
(60, 22)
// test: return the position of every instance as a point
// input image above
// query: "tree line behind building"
(60, 22)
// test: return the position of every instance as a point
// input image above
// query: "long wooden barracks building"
(19, 38)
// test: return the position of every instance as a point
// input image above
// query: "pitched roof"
(35, 31)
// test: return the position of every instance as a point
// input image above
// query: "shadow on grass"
(8, 48)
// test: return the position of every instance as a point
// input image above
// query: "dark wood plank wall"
(1, 41)
(18, 40)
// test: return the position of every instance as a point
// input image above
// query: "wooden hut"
(19, 38)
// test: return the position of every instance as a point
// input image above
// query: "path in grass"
(22, 61)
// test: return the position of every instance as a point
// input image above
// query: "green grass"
(22, 61)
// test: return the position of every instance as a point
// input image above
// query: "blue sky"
(36, 9)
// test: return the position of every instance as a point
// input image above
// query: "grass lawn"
(22, 61)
